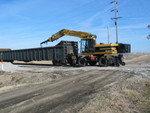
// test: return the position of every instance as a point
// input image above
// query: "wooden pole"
(2, 66)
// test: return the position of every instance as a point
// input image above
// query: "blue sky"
(26, 23)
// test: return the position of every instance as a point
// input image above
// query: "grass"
(130, 97)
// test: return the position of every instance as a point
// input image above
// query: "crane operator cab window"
(87, 45)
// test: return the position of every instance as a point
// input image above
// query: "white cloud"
(87, 23)
(136, 26)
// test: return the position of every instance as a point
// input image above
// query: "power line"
(115, 2)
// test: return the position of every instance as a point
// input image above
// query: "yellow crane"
(92, 53)
(63, 32)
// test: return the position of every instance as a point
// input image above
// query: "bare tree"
(148, 37)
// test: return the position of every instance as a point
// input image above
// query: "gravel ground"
(131, 95)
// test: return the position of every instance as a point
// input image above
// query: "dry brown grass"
(130, 97)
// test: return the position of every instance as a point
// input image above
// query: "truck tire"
(102, 61)
(82, 62)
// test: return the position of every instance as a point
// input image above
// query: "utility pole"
(115, 2)
(108, 35)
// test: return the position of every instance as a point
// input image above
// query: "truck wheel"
(82, 62)
(102, 61)
(92, 63)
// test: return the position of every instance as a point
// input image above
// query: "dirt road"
(69, 93)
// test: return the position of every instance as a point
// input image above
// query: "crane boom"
(64, 32)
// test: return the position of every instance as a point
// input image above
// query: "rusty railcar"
(62, 53)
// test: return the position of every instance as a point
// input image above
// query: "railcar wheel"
(123, 63)
(12, 61)
(57, 63)
(54, 62)
(73, 63)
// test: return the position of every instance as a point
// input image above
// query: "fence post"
(2, 63)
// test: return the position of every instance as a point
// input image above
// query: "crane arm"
(63, 32)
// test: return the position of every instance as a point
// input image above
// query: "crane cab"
(87, 45)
